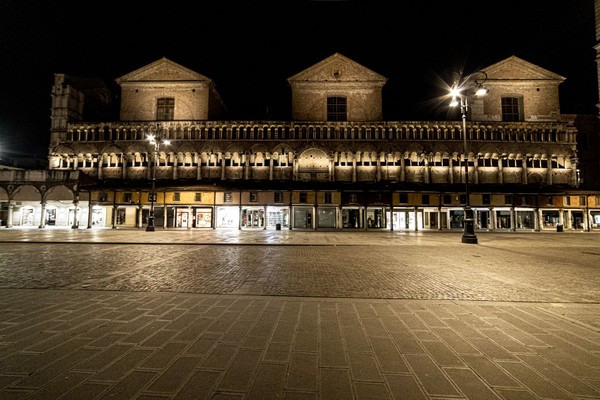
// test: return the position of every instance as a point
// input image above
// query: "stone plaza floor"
(184, 314)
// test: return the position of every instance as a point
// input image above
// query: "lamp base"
(469, 227)
(150, 227)
(471, 239)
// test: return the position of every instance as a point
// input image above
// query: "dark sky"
(250, 48)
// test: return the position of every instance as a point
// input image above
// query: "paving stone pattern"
(172, 315)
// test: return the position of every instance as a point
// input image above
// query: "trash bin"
(559, 228)
(278, 227)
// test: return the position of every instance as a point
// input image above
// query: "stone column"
(500, 178)
(43, 214)
(76, 205)
(175, 164)
(11, 209)
(402, 169)
(90, 211)
(354, 155)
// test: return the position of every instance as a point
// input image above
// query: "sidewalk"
(100, 344)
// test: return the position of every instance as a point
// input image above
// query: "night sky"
(250, 50)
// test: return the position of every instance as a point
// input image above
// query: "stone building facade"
(336, 164)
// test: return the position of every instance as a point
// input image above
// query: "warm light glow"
(454, 102)
(481, 91)
(454, 92)
(166, 141)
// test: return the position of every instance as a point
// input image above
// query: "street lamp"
(471, 85)
(155, 142)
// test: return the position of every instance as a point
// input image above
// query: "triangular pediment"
(160, 71)
(516, 68)
(337, 68)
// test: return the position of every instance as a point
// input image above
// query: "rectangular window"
(353, 198)
(253, 197)
(567, 200)
(165, 109)
(508, 199)
(425, 198)
(582, 200)
(176, 196)
(228, 197)
(404, 198)
(303, 197)
(511, 109)
(127, 197)
(485, 198)
(336, 109)
(198, 197)
(328, 198)
(447, 199)
(103, 196)
(278, 197)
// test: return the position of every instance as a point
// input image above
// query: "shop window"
(253, 197)
(228, 197)
(328, 198)
(278, 197)
(197, 196)
(176, 196)
(303, 197)
(485, 198)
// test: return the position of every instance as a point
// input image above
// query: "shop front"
(525, 218)
(550, 219)
(228, 217)
(327, 217)
(253, 218)
(303, 217)
(407, 219)
(377, 217)
(203, 217)
(503, 218)
(352, 217)
(278, 217)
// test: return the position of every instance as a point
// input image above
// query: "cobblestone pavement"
(298, 315)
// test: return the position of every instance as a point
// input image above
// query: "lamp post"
(461, 90)
(155, 142)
